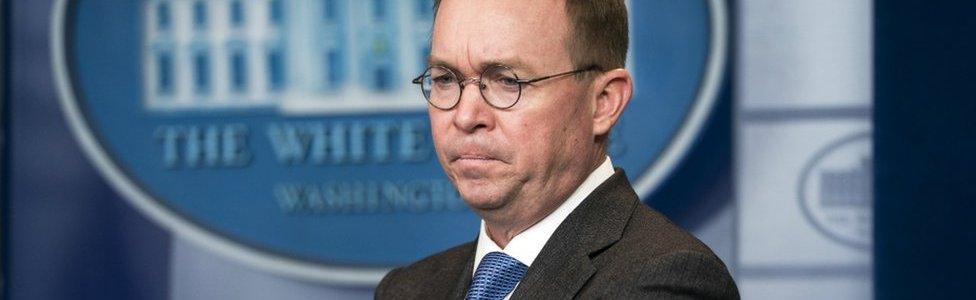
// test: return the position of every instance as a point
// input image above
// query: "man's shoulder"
(435, 274)
(661, 259)
(643, 232)
(656, 234)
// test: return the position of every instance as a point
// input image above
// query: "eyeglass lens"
(500, 88)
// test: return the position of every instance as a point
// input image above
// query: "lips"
(478, 166)
(473, 157)
(474, 150)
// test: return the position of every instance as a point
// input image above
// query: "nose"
(472, 113)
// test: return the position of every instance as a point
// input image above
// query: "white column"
(803, 113)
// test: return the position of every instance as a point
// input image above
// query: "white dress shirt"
(526, 245)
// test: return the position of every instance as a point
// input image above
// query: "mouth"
(475, 153)
(474, 166)
(473, 157)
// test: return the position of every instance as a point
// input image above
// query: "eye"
(443, 79)
(504, 79)
(508, 81)
(505, 84)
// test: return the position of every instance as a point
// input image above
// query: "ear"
(612, 91)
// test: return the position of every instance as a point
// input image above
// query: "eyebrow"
(515, 63)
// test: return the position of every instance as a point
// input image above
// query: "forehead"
(526, 34)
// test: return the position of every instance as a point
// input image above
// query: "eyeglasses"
(499, 85)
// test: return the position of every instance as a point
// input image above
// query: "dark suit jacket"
(611, 246)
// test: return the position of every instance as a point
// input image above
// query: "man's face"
(528, 157)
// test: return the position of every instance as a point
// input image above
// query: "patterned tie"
(496, 276)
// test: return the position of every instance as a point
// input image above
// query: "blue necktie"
(496, 276)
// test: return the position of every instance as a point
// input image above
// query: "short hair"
(598, 34)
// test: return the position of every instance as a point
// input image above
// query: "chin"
(478, 204)
(481, 197)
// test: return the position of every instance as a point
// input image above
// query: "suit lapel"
(564, 265)
(464, 279)
(556, 278)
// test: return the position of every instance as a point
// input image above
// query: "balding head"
(598, 35)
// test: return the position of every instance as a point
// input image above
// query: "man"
(523, 95)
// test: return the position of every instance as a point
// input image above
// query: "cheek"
(564, 129)
(439, 127)
(539, 137)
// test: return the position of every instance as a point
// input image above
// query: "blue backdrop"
(67, 235)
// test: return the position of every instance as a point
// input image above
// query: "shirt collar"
(526, 245)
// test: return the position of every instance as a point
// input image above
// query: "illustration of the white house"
(850, 188)
(302, 56)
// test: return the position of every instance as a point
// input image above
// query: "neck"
(501, 234)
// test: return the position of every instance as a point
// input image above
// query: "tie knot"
(496, 276)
